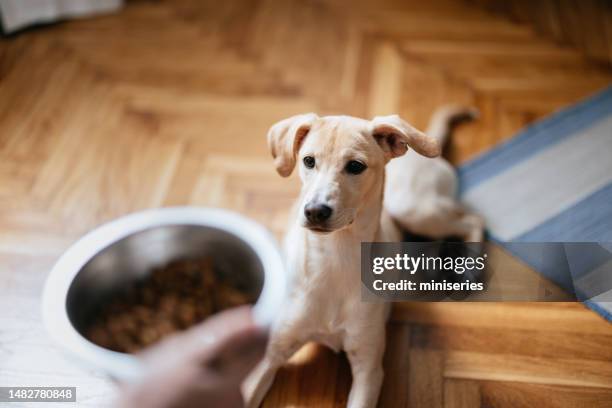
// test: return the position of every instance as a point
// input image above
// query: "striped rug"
(553, 183)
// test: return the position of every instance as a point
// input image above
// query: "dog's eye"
(309, 162)
(355, 167)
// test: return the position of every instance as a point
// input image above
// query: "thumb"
(235, 355)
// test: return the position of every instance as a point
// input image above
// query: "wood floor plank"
(315, 377)
(535, 343)
(396, 388)
(461, 393)
(426, 378)
(508, 394)
(510, 367)
(558, 317)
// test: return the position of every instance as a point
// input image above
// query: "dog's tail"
(445, 117)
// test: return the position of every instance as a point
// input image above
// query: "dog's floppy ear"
(395, 135)
(285, 139)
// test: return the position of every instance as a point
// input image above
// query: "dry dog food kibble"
(170, 299)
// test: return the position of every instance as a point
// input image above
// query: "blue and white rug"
(553, 183)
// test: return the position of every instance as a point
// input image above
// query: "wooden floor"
(168, 103)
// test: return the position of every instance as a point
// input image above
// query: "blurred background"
(142, 104)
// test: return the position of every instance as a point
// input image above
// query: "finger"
(196, 343)
(235, 355)
(218, 328)
(222, 324)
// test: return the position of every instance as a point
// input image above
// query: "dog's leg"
(467, 226)
(443, 219)
(259, 382)
(280, 348)
(475, 227)
(365, 354)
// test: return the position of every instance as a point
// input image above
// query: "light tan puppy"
(341, 161)
(421, 194)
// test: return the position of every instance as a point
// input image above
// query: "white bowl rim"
(127, 367)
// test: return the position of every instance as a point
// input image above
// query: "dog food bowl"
(102, 262)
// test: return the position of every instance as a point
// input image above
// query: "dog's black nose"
(317, 213)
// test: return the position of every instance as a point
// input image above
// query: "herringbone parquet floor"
(168, 103)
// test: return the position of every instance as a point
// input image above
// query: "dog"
(347, 198)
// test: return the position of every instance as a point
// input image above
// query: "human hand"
(201, 367)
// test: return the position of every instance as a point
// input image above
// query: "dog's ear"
(395, 135)
(285, 139)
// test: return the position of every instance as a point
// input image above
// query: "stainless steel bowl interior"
(133, 257)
